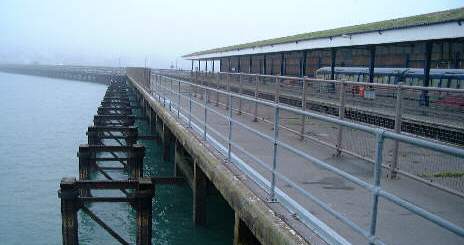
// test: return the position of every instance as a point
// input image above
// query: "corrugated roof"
(417, 20)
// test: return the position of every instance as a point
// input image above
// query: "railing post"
(170, 95)
(303, 108)
(85, 163)
(255, 119)
(218, 77)
(375, 191)
(206, 113)
(190, 110)
(228, 89)
(240, 91)
(164, 94)
(398, 120)
(277, 90)
(274, 150)
(178, 99)
(229, 139)
(143, 207)
(341, 116)
(200, 82)
(70, 204)
(135, 161)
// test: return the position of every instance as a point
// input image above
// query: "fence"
(398, 108)
(192, 104)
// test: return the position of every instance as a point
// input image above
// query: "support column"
(131, 137)
(333, 56)
(135, 161)
(199, 195)
(427, 63)
(243, 234)
(93, 136)
(282, 64)
(167, 141)
(371, 63)
(143, 207)
(70, 204)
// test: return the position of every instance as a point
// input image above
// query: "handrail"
(375, 189)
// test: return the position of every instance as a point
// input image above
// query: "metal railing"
(398, 108)
(170, 92)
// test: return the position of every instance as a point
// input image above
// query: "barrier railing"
(170, 92)
(399, 108)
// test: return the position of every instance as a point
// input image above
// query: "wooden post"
(70, 204)
(143, 207)
(85, 162)
(199, 195)
(135, 161)
(131, 137)
(93, 136)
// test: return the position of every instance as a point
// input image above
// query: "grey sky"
(98, 32)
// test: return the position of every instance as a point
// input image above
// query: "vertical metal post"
(164, 94)
(229, 140)
(341, 115)
(170, 94)
(240, 90)
(70, 204)
(303, 108)
(143, 207)
(206, 119)
(228, 89)
(255, 119)
(398, 120)
(178, 100)
(190, 110)
(200, 82)
(218, 76)
(377, 176)
(277, 90)
(274, 150)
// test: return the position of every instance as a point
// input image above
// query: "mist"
(158, 33)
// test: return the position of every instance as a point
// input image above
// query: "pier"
(347, 136)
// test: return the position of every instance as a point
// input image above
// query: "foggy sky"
(100, 32)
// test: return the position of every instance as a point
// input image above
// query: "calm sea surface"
(42, 123)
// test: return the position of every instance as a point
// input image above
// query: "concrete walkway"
(395, 224)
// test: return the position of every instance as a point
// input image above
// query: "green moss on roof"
(417, 20)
